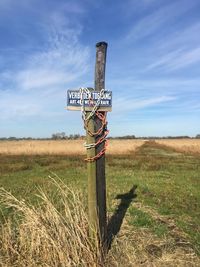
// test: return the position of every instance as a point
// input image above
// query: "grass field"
(160, 220)
(183, 145)
(63, 147)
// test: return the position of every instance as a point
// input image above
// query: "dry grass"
(65, 147)
(46, 235)
(139, 247)
(182, 145)
(119, 147)
(57, 236)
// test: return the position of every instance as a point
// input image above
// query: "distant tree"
(59, 136)
(74, 136)
(53, 136)
(126, 137)
(198, 136)
(12, 138)
(62, 135)
(71, 136)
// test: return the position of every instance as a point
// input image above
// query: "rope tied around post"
(102, 132)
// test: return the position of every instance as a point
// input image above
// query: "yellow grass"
(63, 147)
(182, 145)
(46, 236)
(123, 146)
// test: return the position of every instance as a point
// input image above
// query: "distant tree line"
(13, 138)
(169, 137)
(55, 136)
(124, 137)
(155, 137)
(63, 136)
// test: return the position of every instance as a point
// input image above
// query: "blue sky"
(153, 64)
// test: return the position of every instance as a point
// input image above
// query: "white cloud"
(129, 104)
(136, 86)
(151, 23)
(36, 88)
(184, 37)
(40, 78)
(17, 106)
(61, 61)
(177, 59)
(185, 59)
(175, 50)
(53, 67)
(166, 59)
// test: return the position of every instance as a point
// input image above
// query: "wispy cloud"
(165, 60)
(138, 86)
(129, 104)
(61, 61)
(17, 107)
(56, 66)
(38, 85)
(176, 50)
(184, 37)
(185, 59)
(149, 24)
(176, 60)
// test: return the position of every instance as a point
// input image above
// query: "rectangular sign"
(75, 101)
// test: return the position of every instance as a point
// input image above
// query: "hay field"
(63, 147)
(182, 145)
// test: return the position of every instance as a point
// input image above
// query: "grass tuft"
(46, 235)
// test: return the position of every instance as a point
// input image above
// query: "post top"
(101, 44)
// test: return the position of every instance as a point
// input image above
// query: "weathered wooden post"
(94, 104)
(101, 49)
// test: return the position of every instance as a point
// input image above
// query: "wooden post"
(96, 169)
(93, 106)
(101, 49)
(92, 187)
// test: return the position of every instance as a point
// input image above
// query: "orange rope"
(101, 153)
(102, 118)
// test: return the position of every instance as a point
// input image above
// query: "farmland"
(160, 221)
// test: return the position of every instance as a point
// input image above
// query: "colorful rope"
(102, 132)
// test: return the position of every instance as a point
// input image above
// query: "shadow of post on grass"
(115, 222)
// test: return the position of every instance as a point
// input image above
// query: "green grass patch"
(142, 219)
